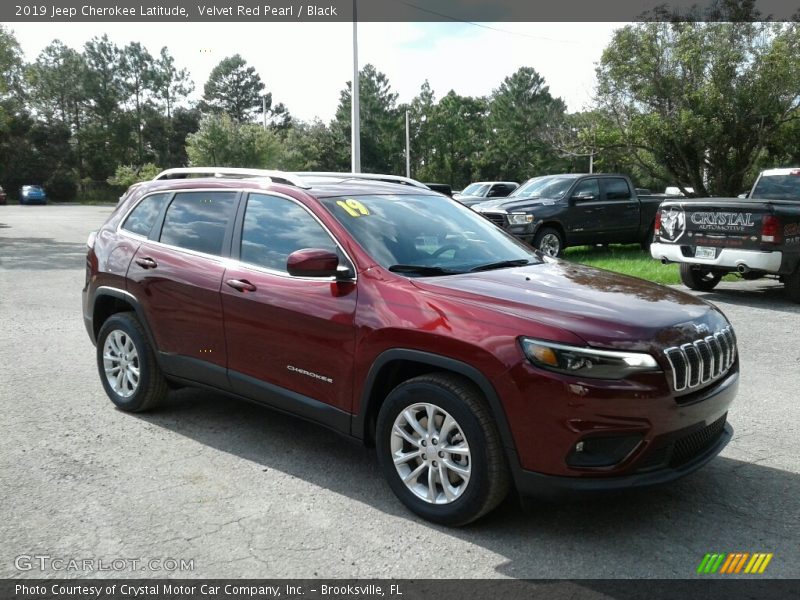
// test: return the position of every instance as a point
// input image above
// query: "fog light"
(603, 451)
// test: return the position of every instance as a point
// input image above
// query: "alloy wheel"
(121, 363)
(431, 453)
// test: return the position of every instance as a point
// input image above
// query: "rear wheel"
(699, 279)
(127, 364)
(648, 238)
(549, 241)
(440, 451)
(792, 285)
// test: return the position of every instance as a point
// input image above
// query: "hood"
(511, 204)
(605, 309)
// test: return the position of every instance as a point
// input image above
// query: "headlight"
(586, 362)
(520, 218)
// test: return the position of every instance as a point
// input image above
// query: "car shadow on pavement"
(768, 294)
(40, 254)
(728, 506)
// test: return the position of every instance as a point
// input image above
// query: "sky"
(306, 65)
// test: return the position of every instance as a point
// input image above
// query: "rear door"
(290, 339)
(176, 275)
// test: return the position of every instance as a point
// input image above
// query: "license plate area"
(705, 252)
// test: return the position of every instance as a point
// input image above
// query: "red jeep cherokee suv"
(395, 315)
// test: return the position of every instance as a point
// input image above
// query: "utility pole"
(264, 110)
(408, 147)
(355, 115)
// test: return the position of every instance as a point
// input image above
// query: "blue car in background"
(32, 194)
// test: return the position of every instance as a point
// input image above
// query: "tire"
(122, 346)
(648, 238)
(454, 400)
(702, 280)
(792, 285)
(549, 240)
(752, 275)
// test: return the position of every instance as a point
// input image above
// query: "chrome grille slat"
(702, 361)
(496, 218)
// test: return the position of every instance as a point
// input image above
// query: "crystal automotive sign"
(722, 221)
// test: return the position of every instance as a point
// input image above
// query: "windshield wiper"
(501, 265)
(422, 270)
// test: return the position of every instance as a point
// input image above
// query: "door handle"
(241, 285)
(146, 263)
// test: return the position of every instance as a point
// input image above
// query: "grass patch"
(627, 259)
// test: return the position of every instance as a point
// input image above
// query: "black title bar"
(396, 10)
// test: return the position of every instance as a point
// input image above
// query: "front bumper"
(549, 486)
(728, 258)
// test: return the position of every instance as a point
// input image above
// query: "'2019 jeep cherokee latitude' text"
(398, 316)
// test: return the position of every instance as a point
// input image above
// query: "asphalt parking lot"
(245, 492)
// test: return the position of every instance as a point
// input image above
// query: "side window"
(588, 189)
(197, 221)
(274, 228)
(617, 189)
(143, 217)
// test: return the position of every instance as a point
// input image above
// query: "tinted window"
(617, 189)
(275, 227)
(588, 187)
(143, 217)
(197, 221)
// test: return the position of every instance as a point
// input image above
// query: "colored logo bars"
(734, 562)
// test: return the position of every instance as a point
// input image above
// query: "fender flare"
(359, 422)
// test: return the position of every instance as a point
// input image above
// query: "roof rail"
(294, 179)
(399, 179)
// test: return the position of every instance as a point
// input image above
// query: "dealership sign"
(722, 221)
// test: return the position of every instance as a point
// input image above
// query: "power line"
(482, 25)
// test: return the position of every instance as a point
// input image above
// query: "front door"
(290, 339)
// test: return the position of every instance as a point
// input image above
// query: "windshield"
(778, 187)
(475, 189)
(426, 235)
(543, 187)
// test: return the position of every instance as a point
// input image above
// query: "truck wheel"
(127, 365)
(549, 241)
(440, 450)
(648, 238)
(792, 285)
(702, 280)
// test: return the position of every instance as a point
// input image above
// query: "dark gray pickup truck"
(555, 211)
(757, 236)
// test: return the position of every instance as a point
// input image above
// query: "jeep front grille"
(698, 363)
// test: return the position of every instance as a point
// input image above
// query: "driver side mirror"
(313, 262)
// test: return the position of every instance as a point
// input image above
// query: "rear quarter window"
(142, 218)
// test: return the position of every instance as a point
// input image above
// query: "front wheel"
(702, 280)
(440, 450)
(549, 241)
